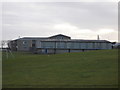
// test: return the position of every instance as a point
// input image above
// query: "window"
(24, 42)
(25, 47)
(33, 41)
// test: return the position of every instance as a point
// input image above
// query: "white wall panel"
(50, 51)
(69, 44)
(61, 45)
(47, 44)
(109, 45)
(83, 45)
(97, 45)
(76, 51)
(89, 45)
(76, 45)
(103, 45)
(38, 44)
(62, 51)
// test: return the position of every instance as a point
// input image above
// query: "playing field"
(70, 70)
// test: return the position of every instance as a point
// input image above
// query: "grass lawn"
(92, 69)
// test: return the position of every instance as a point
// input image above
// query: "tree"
(4, 43)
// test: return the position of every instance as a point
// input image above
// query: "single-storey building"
(57, 44)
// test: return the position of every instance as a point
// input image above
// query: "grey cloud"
(33, 18)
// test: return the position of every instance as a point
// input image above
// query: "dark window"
(33, 45)
(33, 41)
(24, 42)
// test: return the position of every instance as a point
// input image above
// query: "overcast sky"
(79, 20)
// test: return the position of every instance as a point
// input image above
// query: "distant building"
(57, 44)
(116, 45)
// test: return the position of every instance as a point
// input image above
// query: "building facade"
(57, 44)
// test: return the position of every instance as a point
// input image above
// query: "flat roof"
(74, 40)
(62, 40)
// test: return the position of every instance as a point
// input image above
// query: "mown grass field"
(92, 69)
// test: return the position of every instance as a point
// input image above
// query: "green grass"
(70, 70)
